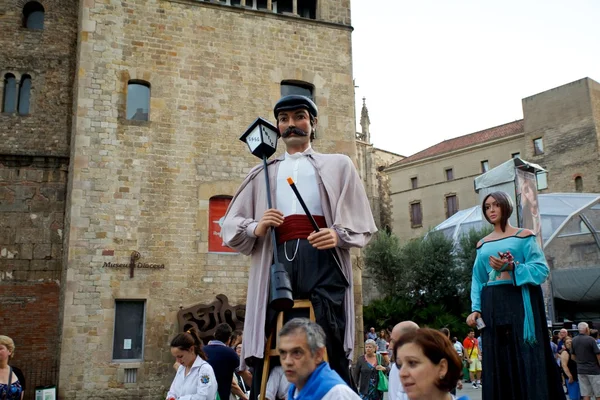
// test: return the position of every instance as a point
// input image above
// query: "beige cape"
(345, 208)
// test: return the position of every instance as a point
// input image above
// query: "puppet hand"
(326, 238)
(271, 217)
(472, 319)
(496, 263)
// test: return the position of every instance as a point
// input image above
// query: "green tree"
(427, 280)
(466, 253)
(382, 259)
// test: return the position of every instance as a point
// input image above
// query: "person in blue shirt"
(506, 294)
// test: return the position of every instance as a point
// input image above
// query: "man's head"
(372, 330)
(223, 333)
(301, 349)
(296, 117)
(400, 330)
(471, 334)
(562, 334)
(583, 328)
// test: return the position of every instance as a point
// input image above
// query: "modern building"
(119, 152)
(560, 131)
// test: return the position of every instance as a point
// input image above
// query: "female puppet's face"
(492, 210)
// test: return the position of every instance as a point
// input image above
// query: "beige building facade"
(212, 68)
(559, 131)
(128, 150)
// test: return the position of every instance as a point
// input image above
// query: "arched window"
(217, 206)
(24, 94)
(579, 184)
(33, 15)
(9, 103)
(138, 100)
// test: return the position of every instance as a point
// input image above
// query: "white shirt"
(277, 384)
(297, 167)
(199, 384)
(459, 348)
(338, 392)
(395, 389)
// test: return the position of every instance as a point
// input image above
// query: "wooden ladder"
(273, 352)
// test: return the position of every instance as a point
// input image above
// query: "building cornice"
(263, 13)
(452, 153)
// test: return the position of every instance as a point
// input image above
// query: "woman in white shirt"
(195, 378)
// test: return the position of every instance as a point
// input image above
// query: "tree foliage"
(427, 280)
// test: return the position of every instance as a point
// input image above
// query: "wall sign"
(133, 264)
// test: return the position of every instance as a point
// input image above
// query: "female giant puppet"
(506, 294)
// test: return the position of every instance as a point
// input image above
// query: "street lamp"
(261, 138)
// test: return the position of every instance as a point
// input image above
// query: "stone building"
(143, 102)
(371, 163)
(37, 68)
(560, 131)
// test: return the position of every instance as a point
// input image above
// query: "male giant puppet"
(334, 194)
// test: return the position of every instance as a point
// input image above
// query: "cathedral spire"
(365, 122)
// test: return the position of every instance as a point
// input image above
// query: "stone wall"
(48, 56)
(566, 119)
(146, 185)
(32, 203)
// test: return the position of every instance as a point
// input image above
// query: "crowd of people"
(415, 363)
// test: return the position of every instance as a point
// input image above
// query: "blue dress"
(12, 393)
(517, 361)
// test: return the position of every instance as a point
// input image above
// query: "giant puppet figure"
(335, 196)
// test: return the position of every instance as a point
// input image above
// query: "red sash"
(297, 226)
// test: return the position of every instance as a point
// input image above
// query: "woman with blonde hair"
(366, 372)
(10, 387)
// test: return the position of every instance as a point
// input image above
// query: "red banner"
(216, 215)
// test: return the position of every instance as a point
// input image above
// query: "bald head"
(583, 328)
(402, 329)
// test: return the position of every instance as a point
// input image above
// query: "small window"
(516, 155)
(579, 184)
(217, 207)
(24, 94)
(414, 182)
(257, 4)
(295, 87)
(542, 180)
(33, 15)
(538, 146)
(9, 103)
(307, 8)
(449, 174)
(283, 6)
(138, 100)
(416, 215)
(128, 341)
(485, 166)
(237, 2)
(451, 205)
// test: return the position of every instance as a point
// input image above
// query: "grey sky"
(436, 69)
